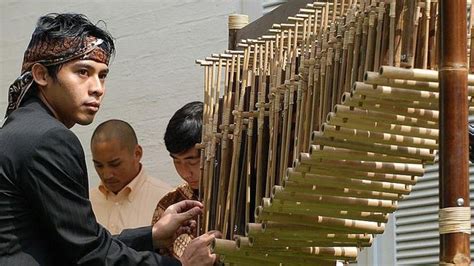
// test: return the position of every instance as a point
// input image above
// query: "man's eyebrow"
(88, 66)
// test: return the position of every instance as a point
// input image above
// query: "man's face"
(77, 93)
(115, 164)
(187, 166)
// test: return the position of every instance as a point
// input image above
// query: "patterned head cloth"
(54, 52)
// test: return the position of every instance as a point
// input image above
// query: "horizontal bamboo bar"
(277, 245)
(414, 74)
(353, 226)
(282, 229)
(327, 152)
(321, 240)
(352, 183)
(296, 176)
(371, 205)
(390, 107)
(378, 167)
(384, 92)
(375, 78)
(360, 123)
(311, 185)
(364, 136)
(418, 153)
(306, 208)
(297, 232)
(368, 100)
(306, 249)
(351, 112)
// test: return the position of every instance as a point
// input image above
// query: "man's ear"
(40, 74)
(138, 152)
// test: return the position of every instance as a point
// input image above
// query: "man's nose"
(97, 86)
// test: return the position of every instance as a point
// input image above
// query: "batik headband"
(50, 53)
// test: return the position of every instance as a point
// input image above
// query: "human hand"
(197, 252)
(176, 220)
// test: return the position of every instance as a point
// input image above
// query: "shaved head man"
(126, 196)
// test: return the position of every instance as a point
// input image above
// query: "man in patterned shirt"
(182, 134)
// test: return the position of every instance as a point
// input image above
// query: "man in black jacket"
(45, 214)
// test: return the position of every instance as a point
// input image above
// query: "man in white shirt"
(126, 196)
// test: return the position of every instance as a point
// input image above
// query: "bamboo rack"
(315, 130)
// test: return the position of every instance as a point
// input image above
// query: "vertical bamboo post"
(454, 174)
(235, 23)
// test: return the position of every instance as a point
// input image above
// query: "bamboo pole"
(454, 174)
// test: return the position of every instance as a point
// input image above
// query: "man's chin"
(86, 120)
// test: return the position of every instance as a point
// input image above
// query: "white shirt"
(131, 207)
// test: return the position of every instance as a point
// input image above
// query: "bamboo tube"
(363, 48)
(284, 245)
(375, 79)
(414, 74)
(326, 152)
(223, 246)
(310, 185)
(371, 39)
(357, 47)
(304, 208)
(378, 38)
(303, 233)
(377, 137)
(281, 229)
(407, 34)
(355, 123)
(417, 153)
(394, 93)
(344, 58)
(374, 205)
(350, 57)
(301, 177)
(237, 142)
(433, 36)
(360, 184)
(250, 153)
(426, 25)
(368, 100)
(304, 249)
(377, 167)
(226, 121)
(328, 222)
(336, 89)
(350, 112)
(390, 107)
(391, 43)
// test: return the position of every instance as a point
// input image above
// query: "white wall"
(153, 73)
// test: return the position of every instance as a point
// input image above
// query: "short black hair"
(115, 129)
(56, 26)
(184, 128)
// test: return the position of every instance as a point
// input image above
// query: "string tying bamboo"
(455, 220)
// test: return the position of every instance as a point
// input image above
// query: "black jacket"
(45, 213)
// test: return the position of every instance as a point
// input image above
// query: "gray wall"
(153, 73)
